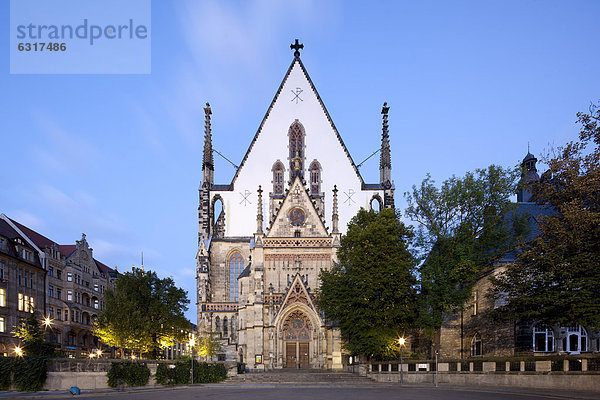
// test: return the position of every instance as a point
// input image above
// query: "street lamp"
(47, 322)
(99, 352)
(19, 351)
(192, 343)
(401, 342)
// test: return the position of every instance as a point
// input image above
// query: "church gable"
(297, 294)
(297, 216)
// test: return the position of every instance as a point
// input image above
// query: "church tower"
(528, 175)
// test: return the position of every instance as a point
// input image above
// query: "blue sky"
(118, 157)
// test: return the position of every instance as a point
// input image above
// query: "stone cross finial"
(296, 46)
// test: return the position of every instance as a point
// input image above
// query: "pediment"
(297, 216)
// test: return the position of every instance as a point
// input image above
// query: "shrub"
(29, 373)
(180, 373)
(6, 364)
(128, 372)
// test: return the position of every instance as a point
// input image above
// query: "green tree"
(460, 230)
(370, 292)
(557, 276)
(143, 313)
(208, 345)
(31, 333)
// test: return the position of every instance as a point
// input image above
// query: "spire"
(208, 161)
(259, 214)
(385, 160)
(528, 175)
(335, 217)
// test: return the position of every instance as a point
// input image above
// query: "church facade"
(264, 237)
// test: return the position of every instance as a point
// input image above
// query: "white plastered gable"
(296, 99)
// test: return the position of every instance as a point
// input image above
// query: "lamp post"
(401, 342)
(192, 343)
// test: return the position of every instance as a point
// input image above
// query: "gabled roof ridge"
(31, 234)
(280, 210)
(314, 89)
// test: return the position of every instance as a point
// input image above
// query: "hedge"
(179, 373)
(129, 373)
(28, 373)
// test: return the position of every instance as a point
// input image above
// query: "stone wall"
(575, 374)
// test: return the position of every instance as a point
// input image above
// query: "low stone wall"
(542, 374)
(91, 374)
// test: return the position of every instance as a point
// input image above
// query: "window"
(2, 243)
(58, 274)
(236, 265)
(96, 304)
(475, 302)
(576, 340)
(69, 295)
(476, 345)
(58, 293)
(27, 255)
(2, 297)
(296, 147)
(297, 234)
(50, 271)
(69, 277)
(66, 315)
(95, 287)
(51, 312)
(315, 178)
(277, 178)
(543, 339)
(20, 305)
(2, 325)
(2, 271)
(50, 291)
(26, 278)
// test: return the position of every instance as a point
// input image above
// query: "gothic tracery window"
(296, 147)
(476, 345)
(236, 266)
(297, 326)
(315, 178)
(543, 339)
(278, 178)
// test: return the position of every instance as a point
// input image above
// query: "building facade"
(264, 237)
(72, 289)
(21, 284)
(471, 332)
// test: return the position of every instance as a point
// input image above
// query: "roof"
(528, 157)
(534, 212)
(66, 249)
(314, 89)
(246, 271)
(43, 242)
(8, 232)
(40, 241)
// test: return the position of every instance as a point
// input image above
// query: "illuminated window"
(20, 305)
(69, 295)
(2, 325)
(2, 297)
(31, 305)
(69, 277)
(475, 302)
(236, 266)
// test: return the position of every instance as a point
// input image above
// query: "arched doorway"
(575, 341)
(297, 330)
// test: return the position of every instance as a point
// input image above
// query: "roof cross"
(296, 46)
